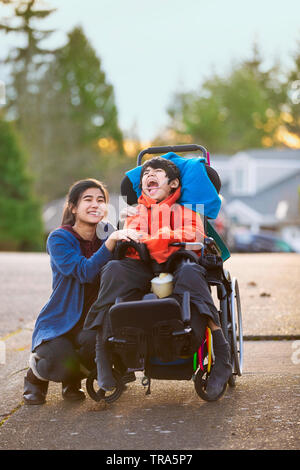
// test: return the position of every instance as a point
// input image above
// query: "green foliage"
(83, 86)
(61, 122)
(61, 103)
(231, 113)
(293, 85)
(20, 213)
(26, 60)
(75, 109)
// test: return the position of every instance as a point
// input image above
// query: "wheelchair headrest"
(201, 184)
(214, 177)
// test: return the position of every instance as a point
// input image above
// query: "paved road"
(261, 412)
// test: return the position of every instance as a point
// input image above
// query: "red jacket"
(163, 223)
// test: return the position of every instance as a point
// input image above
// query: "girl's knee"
(57, 360)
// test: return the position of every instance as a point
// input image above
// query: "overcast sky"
(152, 48)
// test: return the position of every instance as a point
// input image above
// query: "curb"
(271, 337)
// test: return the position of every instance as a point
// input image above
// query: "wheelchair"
(154, 335)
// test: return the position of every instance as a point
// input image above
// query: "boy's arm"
(189, 231)
(187, 226)
(138, 221)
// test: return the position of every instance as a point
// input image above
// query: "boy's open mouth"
(152, 186)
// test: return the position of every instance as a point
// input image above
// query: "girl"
(60, 345)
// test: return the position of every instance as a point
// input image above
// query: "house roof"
(266, 201)
(272, 154)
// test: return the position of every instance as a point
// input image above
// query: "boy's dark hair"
(172, 171)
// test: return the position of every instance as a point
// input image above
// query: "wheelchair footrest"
(180, 369)
(131, 344)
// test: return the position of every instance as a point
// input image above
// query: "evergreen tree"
(25, 61)
(293, 114)
(21, 225)
(82, 88)
(26, 65)
(61, 104)
(77, 129)
(232, 113)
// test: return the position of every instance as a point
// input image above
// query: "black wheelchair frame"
(166, 331)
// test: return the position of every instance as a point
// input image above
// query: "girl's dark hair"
(74, 194)
(172, 171)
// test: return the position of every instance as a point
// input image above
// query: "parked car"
(261, 242)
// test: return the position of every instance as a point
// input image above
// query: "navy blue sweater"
(70, 271)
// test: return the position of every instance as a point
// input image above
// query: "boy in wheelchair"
(160, 222)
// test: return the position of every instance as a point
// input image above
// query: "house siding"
(267, 175)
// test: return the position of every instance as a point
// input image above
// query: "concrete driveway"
(261, 412)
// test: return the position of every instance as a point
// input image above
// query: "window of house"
(240, 181)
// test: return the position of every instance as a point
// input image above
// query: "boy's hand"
(128, 211)
(125, 235)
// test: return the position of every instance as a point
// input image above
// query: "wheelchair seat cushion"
(198, 193)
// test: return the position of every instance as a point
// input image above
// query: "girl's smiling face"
(91, 207)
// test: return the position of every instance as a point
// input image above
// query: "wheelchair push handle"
(172, 148)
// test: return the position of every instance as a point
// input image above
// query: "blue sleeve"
(66, 256)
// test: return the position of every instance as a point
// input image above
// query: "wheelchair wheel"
(236, 329)
(200, 381)
(97, 394)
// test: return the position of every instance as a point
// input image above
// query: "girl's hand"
(128, 211)
(125, 234)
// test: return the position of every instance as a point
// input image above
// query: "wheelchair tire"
(200, 380)
(232, 381)
(236, 330)
(98, 395)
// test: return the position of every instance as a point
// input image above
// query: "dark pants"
(130, 280)
(60, 358)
